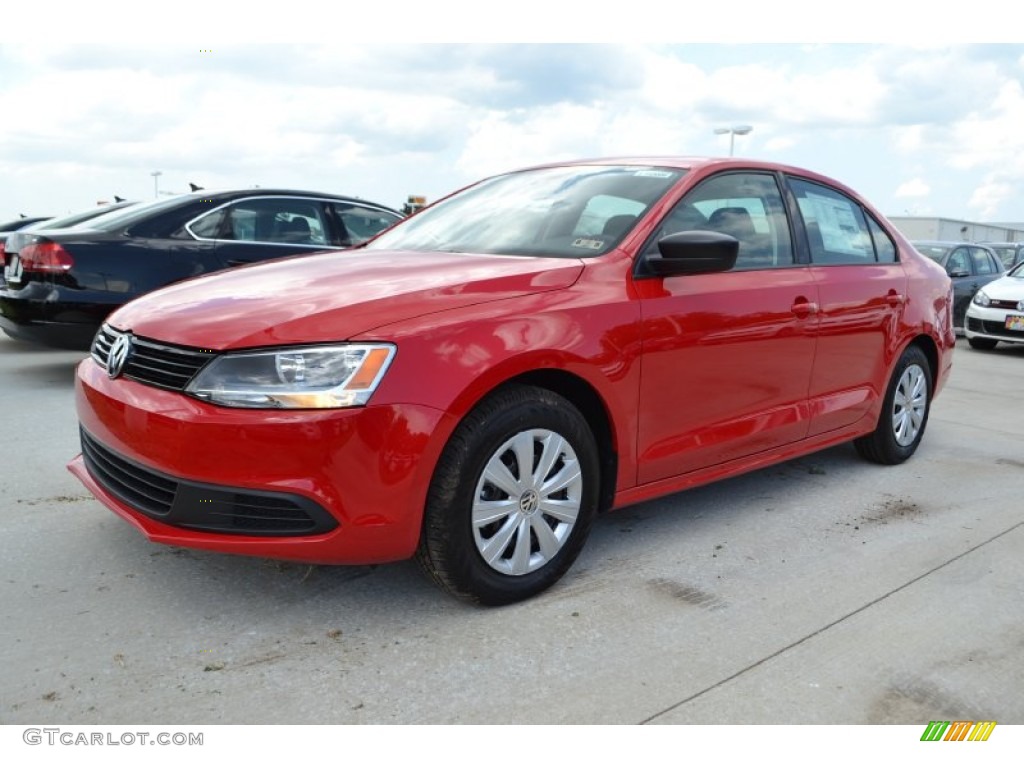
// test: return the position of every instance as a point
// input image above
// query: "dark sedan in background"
(24, 221)
(969, 265)
(60, 284)
(28, 222)
(62, 222)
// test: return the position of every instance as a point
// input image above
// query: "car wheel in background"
(904, 414)
(512, 499)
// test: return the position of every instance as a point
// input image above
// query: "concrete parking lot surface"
(823, 590)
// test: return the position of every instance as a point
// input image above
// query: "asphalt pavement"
(822, 590)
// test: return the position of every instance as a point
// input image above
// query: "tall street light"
(734, 131)
(156, 182)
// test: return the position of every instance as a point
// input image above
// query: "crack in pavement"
(828, 626)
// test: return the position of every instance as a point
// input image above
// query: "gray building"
(932, 228)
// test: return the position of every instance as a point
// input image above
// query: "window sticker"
(840, 232)
(586, 242)
(651, 174)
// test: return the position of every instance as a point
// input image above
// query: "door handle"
(803, 308)
(895, 299)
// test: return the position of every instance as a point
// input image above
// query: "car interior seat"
(755, 248)
(295, 231)
(617, 226)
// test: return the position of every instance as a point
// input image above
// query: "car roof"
(226, 194)
(695, 163)
(689, 162)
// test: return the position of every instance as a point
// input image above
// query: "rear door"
(862, 289)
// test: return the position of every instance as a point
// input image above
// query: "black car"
(970, 265)
(71, 220)
(60, 284)
(27, 222)
(24, 221)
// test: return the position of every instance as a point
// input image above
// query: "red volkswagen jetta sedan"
(476, 384)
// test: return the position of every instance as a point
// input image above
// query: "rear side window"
(885, 248)
(360, 223)
(837, 230)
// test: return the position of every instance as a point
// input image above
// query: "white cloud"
(502, 141)
(991, 194)
(385, 121)
(913, 188)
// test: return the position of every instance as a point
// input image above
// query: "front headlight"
(302, 377)
(981, 299)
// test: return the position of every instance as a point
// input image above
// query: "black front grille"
(160, 365)
(1003, 303)
(133, 484)
(974, 324)
(996, 328)
(248, 513)
(202, 506)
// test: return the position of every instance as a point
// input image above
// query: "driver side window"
(958, 262)
(746, 206)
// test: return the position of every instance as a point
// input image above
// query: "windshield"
(575, 211)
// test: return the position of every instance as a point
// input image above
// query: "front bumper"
(365, 470)
(989, 323)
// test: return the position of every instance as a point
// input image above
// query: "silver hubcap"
(909, 405)
(526, 502)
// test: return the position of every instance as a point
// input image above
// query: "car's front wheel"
(512, 498)
(904, 412)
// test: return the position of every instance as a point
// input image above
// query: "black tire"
(980, 343)
(515, 421)
(900, 428)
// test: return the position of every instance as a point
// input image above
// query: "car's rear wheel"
(977, 342)
(904, 414)
(512, 498)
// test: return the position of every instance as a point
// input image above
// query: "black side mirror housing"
(958, 273)
(694, 253)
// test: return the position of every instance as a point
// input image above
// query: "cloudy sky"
(933, 130)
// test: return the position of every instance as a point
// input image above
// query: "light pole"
(734, 131)
(156, 182)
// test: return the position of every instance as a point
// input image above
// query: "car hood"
(332, 296)
(1006, 288)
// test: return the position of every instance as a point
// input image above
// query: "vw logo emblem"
(529, 502)
(120, 350)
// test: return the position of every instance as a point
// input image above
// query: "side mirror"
(958, 273)
(694, 253)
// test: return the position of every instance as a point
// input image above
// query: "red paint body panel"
(332, 296)
(700, 377)
(368, 466)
